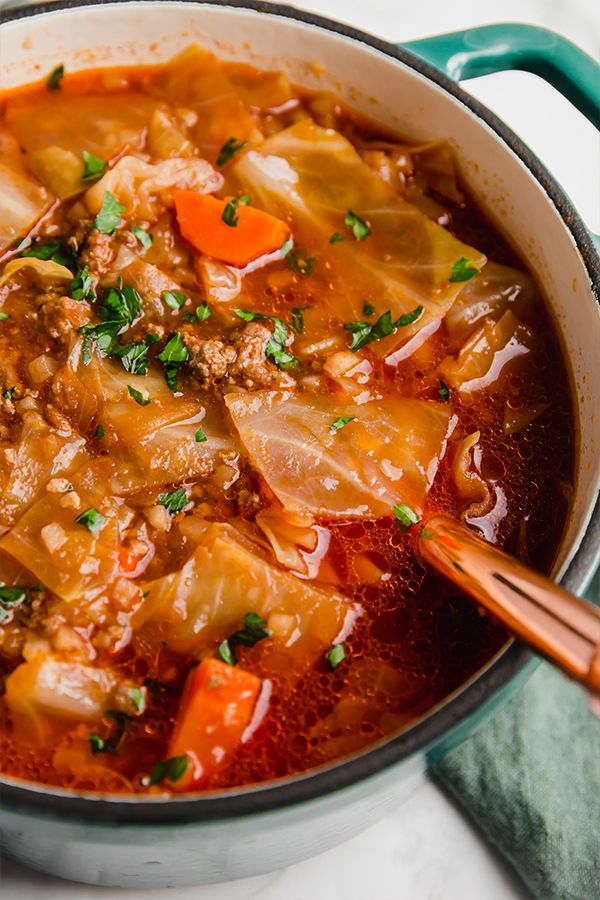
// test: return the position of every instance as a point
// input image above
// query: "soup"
(249, 343)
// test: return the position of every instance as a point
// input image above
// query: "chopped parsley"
(99, 432)
(203, 312)
(120, 308)
(299, 263)
(462, 270)
(4, 316)
(297, 323)
(405, 516)
(368, 308)
(336, 655)
(82, 287)
(175, 501)
(365, 332)
(444, 391)
(254, 630)
(55, 77)
(109, 217)
(173, 354)
(91, 519)
(275, 348)
(174, 299)
(336, 237)
(53, 250)
(134, 357)
(229, 149)
(172, 769)
(340, 422)
(356, 225)
(142, 236)
(137, 698)
(200, 437)
(11, 597)
(151, 339)
(7, 394)
(231, 214)
(138, 396)
(93, 167)
(99, 744)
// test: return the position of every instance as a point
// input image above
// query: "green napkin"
(530, 778)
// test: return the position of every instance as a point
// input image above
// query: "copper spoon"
(534, 609)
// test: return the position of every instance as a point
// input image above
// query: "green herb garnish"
(297, 323)
(229, 149)
(174, 299)
(444, 391)
(142, 236)
(151, 339)
(336, 237)
(138, 396)
(91, 519)
(405, 516)
(231, 214)
(298, 263)
(200, 437)
(173, 354)
(119, 309)
(368, 308)
(109, 217)
(53, 250)
(275, 348)
(4, 316)
(134, 357)
(10, 597)
(336, 655)
(174, 501)
(254, 630)
(137, 698)
(7, 394)
(94, 167)
(340, 422)
(172, 769)
(82, 287)
(203, 312)
(97, 744)
(55, 77)
(462, 270)
(356, 225)
(99, 432)
(365, 332)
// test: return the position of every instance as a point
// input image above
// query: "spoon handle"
(539, 612)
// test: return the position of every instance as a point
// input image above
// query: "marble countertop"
(426, 849)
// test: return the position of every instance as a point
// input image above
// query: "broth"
(177, 448)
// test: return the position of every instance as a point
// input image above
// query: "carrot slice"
(255, 234)
(216, 708)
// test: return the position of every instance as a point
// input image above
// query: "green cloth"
(530, 778)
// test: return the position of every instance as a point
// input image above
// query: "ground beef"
(240, 360)
(209, 360)
(99, 253)
(251, 368)
(60, 315)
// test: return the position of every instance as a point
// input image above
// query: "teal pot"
(151, 842)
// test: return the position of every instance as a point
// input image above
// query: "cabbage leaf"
(406, 260)
(387, 454)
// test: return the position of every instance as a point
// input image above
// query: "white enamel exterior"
(389, 92)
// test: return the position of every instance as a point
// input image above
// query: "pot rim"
(23, 797)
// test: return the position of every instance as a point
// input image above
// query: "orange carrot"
(215, 710)
(255, 233)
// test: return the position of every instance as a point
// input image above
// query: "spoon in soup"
(556, 624)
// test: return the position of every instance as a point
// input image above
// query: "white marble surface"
(425, 850)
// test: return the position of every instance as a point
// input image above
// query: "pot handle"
(497, 48)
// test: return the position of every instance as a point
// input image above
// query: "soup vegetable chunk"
(249, 342)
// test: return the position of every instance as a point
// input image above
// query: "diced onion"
(42, 368)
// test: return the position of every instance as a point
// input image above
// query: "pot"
(141, 842)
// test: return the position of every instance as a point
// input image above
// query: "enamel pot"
(140, 842)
